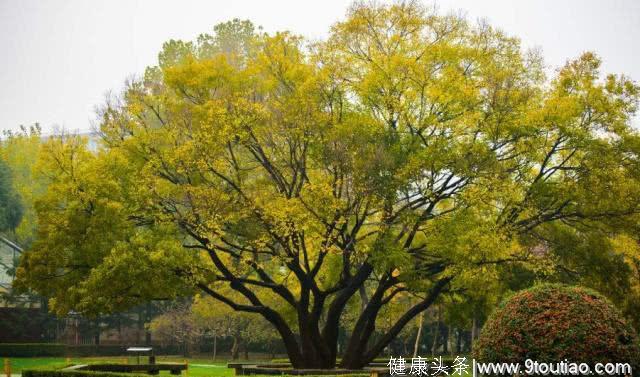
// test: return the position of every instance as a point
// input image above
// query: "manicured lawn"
(198, 367)
(20, 363)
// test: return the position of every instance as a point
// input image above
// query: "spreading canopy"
(408, 154)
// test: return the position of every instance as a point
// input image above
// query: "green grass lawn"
(198, 367)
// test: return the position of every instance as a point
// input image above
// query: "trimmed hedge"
(552, 322)
(31, 349)
(61, 350)
(75, 373)
(93, 350)
(376, 360)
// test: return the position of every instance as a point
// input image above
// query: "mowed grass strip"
(198, 367)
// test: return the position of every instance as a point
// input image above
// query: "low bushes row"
(31, 349)
(377, 360)
(75, 373)
(63, 350)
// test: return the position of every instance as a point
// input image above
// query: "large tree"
(407, 155)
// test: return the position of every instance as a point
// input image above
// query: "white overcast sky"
(59, 58)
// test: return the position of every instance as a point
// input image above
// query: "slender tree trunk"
(185, 348)
(140, 325)
(416, 346)
(234, 348)
(120, 330)
(445, 341)
(474, 330)
(147, 318)
(215, 346)
(96, 335)
(436, 333)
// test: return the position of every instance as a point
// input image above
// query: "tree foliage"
(178, 324)
(554, 322)
(20, 151)
(407, 155)
(245, 329)
(11, 208)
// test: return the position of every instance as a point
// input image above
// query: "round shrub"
(551, 322)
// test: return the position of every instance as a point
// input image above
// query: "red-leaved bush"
(551, 323)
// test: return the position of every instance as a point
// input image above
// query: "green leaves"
(554, 322)
(11, 207)
(407, 150)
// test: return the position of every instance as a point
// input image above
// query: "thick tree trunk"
(363, 329)
(314, 351)
(364, 299)
(361, 359)
(311, 348)
(332, 322)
